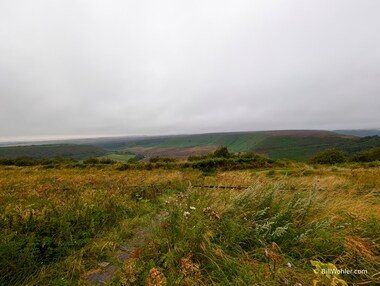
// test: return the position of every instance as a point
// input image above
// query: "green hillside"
(296, 145)
(302, 148)
(359, 132)
(52, 150)
(236, 142)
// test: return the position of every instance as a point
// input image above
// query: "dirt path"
(106, 272)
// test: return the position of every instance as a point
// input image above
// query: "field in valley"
(89, 225)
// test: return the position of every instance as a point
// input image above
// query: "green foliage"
(93, 161)
(139, 157)
(328, 156)
(31, 238)
(70, 151)
(366, 156)
(222, 152)
(29, 161)
(211, 164)
(162, 159)
(252, 224)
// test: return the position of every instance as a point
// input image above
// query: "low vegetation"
(334, 156)
(267, 224)
(68, 151)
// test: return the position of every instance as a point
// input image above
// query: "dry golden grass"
(345, 197)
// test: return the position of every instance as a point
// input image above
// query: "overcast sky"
(82, 68)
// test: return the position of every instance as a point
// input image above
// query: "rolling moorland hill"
(360, 132)
(296, 145)
(72, 151)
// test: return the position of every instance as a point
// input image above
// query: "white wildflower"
(186, 214)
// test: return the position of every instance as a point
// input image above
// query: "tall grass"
(251, 237)
(57, 224)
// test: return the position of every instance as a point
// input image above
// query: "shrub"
(374, 154)
(107, 161)
(366, 156)
(222, 152)
(91, 161)
(25, 161)
(162, 159)
(329, 156)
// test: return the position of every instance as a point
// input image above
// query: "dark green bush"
(329, 156)
(162, 159)
(107, 161)
(91, 161)
(222, 152)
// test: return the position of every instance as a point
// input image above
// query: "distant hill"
(360, 132)
(72, 151)
(296, 145)
(285, 144)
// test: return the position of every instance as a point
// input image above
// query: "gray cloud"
(80, 68)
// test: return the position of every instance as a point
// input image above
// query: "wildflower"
(129, 275)
(287, 264)
(155, 278)
(136, 253)
(164, 225)
(188, 267)
(285, 281)
(186, 214)
(211, 213)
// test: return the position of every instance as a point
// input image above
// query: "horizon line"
(47, 138)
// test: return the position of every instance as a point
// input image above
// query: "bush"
(367, 156)
(107, 161)
(162, 159)
(139, 157)
(91, 161)
(374, 154)
(222, 152)
(329, 156)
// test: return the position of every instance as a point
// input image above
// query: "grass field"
(71, 225)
